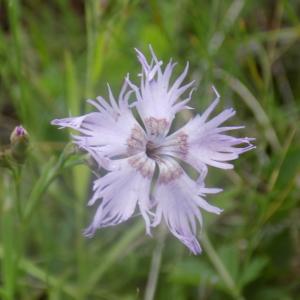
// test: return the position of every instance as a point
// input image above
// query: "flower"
(143, 160)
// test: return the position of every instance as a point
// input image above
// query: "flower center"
(148, 141)
(146, 149)
(152, 150)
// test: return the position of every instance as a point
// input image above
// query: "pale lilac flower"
(131, 152)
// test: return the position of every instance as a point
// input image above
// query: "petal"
(104, 134)
(120, 191)
(156, 97)
(202, 142)
(178, 201)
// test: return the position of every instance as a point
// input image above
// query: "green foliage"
(56, 54)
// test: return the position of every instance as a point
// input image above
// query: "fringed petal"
(202, 142)
(179, 200)
(104, 134)
(156, 97)
(121, 191)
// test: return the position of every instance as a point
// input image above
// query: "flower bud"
(19, 142)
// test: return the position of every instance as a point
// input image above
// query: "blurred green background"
(55, 54)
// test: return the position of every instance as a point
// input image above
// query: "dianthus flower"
(143, 159)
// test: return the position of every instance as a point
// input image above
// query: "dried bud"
(19, 141)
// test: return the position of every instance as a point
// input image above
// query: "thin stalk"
(220, 268)
(286, 147)
(80, 177)
(81, 173)
(14, 12)
(91, 19)
(9, 239)
(155, 266)
(253, 104)
(17, 173)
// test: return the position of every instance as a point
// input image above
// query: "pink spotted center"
(157, 147)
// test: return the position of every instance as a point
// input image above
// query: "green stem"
(91, 31)
(9, 239)
(14, 13)
(17, 173)
(220, 267)
(155, 266)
